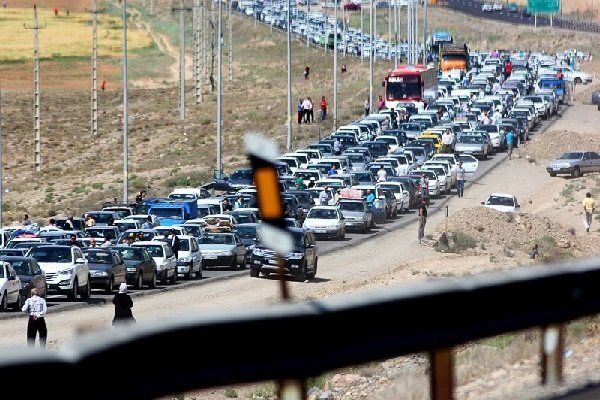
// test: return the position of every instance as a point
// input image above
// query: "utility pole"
(307, 23)
(230, 42)
(390, 21)
(326, 41)
(212, 46)
(289, 76)
(371, 33)
(151, 7)
(396, 33)
(181, 10)
(424, 32)
(408, 32)
(197, 28)
(374, 30)
(125, 108)
(95, 12)
(362, 40)
(204, 32)
(335, 69)
(219, 87)
(36, 90)
(1, 164)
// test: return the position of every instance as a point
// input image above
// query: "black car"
(304, 199)
(409, 184)
(596, 98)
(377, 149)
(364, 177)
(103, 218)
(61, 222)
(107, 268)
(301, 263)
(141, 268)
(29, 273)
(101, 232)
(241, 177)
(248, 234)
(13, 252)
(245, 216)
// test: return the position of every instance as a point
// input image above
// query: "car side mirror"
(80, 261)
(483, 203)
(38, 272)
(11, 278)
(381, 197)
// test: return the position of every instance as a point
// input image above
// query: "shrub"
(231, 393)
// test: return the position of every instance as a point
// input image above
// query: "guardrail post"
(553, 346)
(442, 374)
(291, 389)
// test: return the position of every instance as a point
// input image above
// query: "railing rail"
(292, 341)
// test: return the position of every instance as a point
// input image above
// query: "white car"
(487, 7)
(141, 218)
(497, 7)
(400, 193)
(326, 221)
(189, 261)
(469, 163)
(10, 287)
(125, 224)
(502, 202)
(66, 270)
(166, 263)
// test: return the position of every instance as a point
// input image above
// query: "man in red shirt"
(507, 69)
(323, 108)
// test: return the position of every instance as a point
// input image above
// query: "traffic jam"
(430, 122)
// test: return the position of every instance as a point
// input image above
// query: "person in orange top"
(323, 108)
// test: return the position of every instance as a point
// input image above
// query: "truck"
(555, 84)
(172, 212)
(454, 61)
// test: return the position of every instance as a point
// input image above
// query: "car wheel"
(303, 273)
(191, 273)
(577, 81)
(576, 173)
(110, 286)
(87, 293)
(19, 303)
(265, 274)
(199, 273)
(254, 272)
(139, 282)
(313, 273)
(152, 283)
(233, 265)
(552, 174)
(173, 279)
(72, 296)
(4, 302)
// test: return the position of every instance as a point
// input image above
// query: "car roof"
(15, 258)
(502, 195)
(149, 243)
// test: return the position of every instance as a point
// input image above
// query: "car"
(497, 7)
(30, 274)
(222, 249)
(138, 234)
(357, 214)
(107, 268)
(189, 257)
(474, 145)
(469, 163)
(596, 98)
(248, 234)
(502, 202)
(301, 263)
(124, 224)
(103, 232)
(141, 218)
(66, 270)
(166, 263)
(400, 193)
(575, 163)
(10, 288)
(13, 252)
(326, 221)
(141, 268)
(512, 8)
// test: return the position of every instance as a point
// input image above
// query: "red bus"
(409, 84)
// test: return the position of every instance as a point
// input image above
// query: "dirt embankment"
(552, 144)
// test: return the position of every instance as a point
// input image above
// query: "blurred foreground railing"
(295, 341)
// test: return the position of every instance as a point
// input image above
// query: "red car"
(352, 7)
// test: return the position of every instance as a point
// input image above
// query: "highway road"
(60, 303)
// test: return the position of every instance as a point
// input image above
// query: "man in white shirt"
(307, 107)
(36, 307)
(447, 141)
(381, 175)
(324, 197)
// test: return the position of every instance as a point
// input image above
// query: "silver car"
(474, 145)
(575, 163)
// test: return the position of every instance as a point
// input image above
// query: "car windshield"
(403, 87)
(194, 230)
(52, 254)
(351, 206)
(465, 158)
(320, 213)
(393, 188)
(500, 201)
(99, 257)
(155, 250)
(356, 158)
(184, 245)
(21, 267)
(246, 232)
(217, 239)
(470, 139)
(101, 233)
(167, 212)
(363, 176)
(131, 253)
(103, 218)
(245, 174)
(126, 225)
(243, 218)
(182, 196)
(571, 156)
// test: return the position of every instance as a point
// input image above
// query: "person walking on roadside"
(447, 141)
(103, 86)
(589, 206)
(306, 110)
(324, 196)
(311, 115)
(300, 111)
(460, 179)
(510, 142)
(534, 253)
(337, 147)
(422, 220)
(306, 72)
(367, 108)
(323, 108)
(380, 103)
(36, 307)
(381, 175)
(148, 223)
(123, 305)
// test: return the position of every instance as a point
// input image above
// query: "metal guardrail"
(294, 341)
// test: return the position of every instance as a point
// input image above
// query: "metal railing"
(295, 341)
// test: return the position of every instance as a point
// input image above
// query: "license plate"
(320, 231)
(210, 257)
(273, 262)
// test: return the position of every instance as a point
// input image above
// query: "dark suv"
(301, 263)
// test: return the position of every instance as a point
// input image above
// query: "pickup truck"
(575, 163)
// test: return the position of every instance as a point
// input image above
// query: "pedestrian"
(306, 72)
(107, 242)
(510, 142)
(324, 196)
(323, 108)
(344, 69)
(332, 171)
(337, 147)
(55, 12)
(461, 174)
(26, 220)
(72, 240)
(89, 221)
(422, 219)
(212, 83)
(370, 198)
(36, 307)
(4, 4)
(300, 111)
(311, 182)
(306, 110)
(534, 253)
(123, 305)
(381, 174)
(92, 243)
(148, 223)
(589, 206)
(67, 12)
(239, 203)
(52, 223)
(226, 206)
(69, 224)
(175, 244)
(141, 196)
(367, 108)
(507, 69)
(311, 116)
(447, 141)
(103, 86)
(380, 103)
(300, 183)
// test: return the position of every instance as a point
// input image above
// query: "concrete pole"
(307, 23)
(36, 92)
(372, 51)
(424, 32)
(212, 41)
(288, 145)
(416, 30)
(181, 10)
(325, 42)
(1, 164)
(390, 23)
(408, 32)
(374, 32)
(229, 23)
(94, 130)
(344, 31)
(362, 31)
(198, 25)
(151, 7)
(219, 88)
(335, 69)
(125, 108)
(396, 33)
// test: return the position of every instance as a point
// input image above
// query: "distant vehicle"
(107, 269)
(166, 263)
(409, 84)
(487, 7)
(497, 7)
(222, 249)
(512, 8)
(502, 202)
(596, 98)
(189, 261)
(141, 268)
(10, 287)
(30, 274)
(357, 213)
(473, 145)
(326, 221)
(575, 163)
